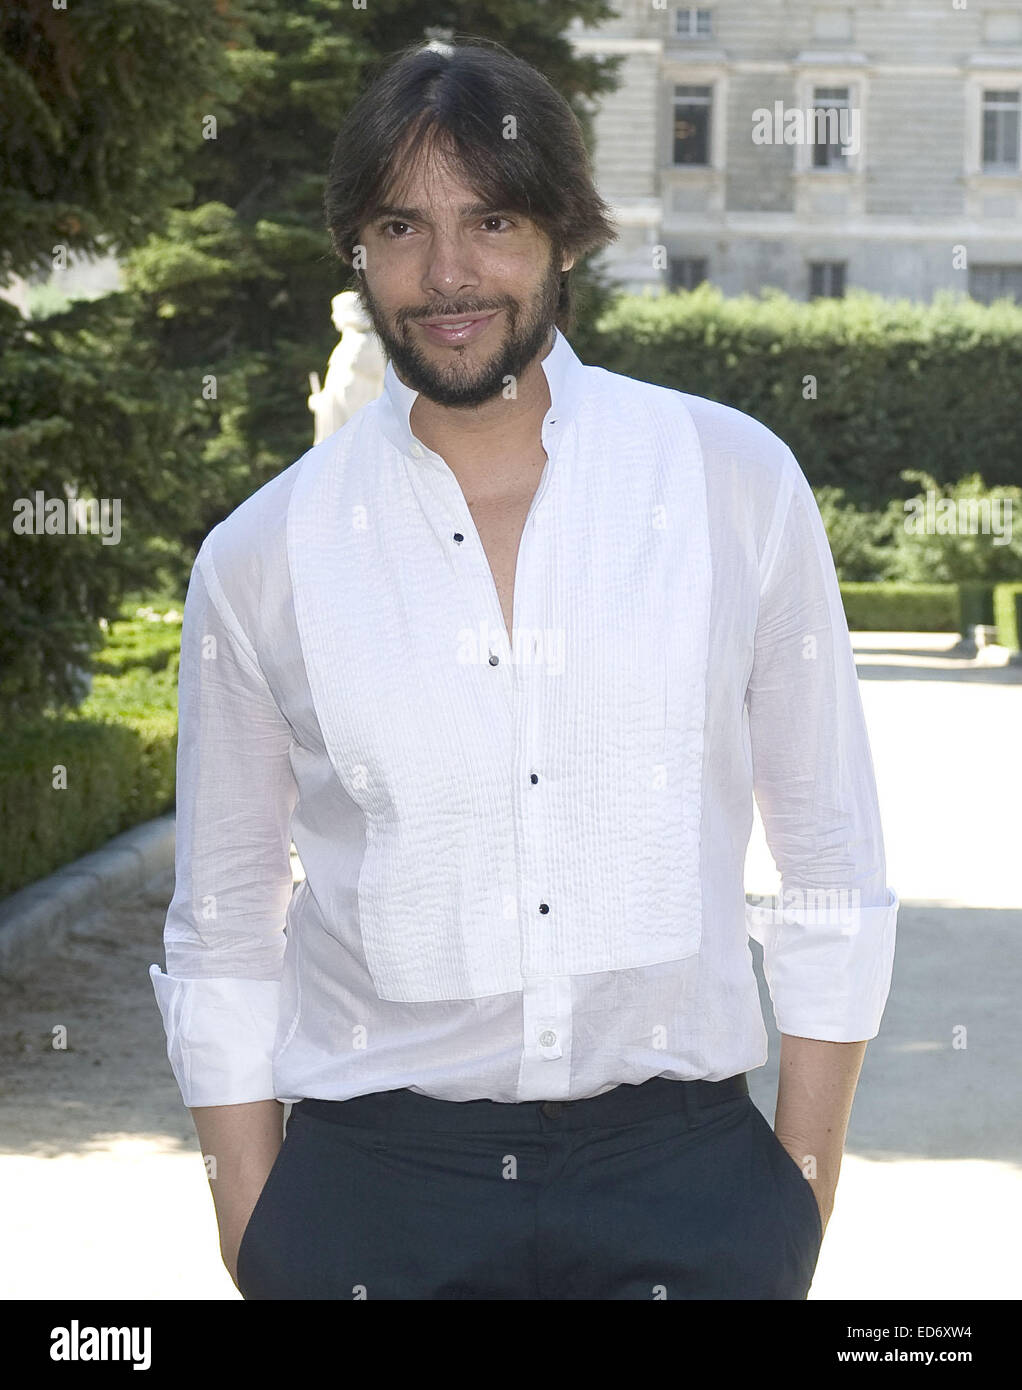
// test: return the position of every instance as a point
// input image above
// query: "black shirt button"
(458, 536)
(493, 659)
(533, 779)
(544, 907)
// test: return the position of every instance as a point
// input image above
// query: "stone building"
(814, 147)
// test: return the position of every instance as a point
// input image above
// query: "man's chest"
(500, 522)
(569, 606)
(514, 786)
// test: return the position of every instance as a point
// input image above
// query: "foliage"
(857, 537)
(1007, 615)
(79, 416)
(893, 607)
(96, 121)
(897, 383)
(962, 532)
(68, 783)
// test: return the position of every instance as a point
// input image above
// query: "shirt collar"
(564, 373)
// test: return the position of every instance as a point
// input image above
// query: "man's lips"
(457, 330)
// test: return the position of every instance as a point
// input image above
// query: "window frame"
(709, 102)
(1008, 108)
(693, 31)
(828, 268)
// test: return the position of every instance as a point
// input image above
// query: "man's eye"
(388, 227)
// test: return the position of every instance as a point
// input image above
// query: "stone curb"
(37, 919)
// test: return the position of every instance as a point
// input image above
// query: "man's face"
(436, 252)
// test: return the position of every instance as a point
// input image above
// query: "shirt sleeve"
(224, 932)
(828, 945)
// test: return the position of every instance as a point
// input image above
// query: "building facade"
(814, 147)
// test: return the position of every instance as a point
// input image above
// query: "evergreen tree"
(95, 126)
(192, 141)
(100, 104)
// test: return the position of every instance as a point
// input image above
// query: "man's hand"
(814, 1100)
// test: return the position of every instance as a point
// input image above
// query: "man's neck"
(486, 444)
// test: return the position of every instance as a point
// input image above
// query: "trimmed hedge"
(118, 775)
(901, 607)
(119, 750)
(898, 383)
(888, 607)
(1008, 615)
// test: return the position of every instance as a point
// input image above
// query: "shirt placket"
(545, 1070)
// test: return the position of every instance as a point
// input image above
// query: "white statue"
(354, 374)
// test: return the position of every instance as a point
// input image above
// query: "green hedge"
(901, 607)
(119, 750)
(118, 775)
(1008, 615)
(891, 607)
(898, 383)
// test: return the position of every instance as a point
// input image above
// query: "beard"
(455, 383)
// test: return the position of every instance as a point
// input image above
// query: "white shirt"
(524, 865)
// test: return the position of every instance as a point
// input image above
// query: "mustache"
(438, 311)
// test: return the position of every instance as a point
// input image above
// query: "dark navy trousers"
(666, 1190)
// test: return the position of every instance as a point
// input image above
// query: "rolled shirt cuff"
(220, 1036)
(828, 968)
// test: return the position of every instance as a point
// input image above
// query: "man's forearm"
(239, 1142)
(815, 1091)
(239, 1146)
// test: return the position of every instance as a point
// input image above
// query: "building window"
(693, 24)
(692, 124)
(826, 279)
(990, 282)
(831, 121)
(1001, 126)
(686, 272)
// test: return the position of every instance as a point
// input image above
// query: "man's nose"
(451, 269)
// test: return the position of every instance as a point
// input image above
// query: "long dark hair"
(456, 103)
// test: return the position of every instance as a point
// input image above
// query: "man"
(508, 656)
